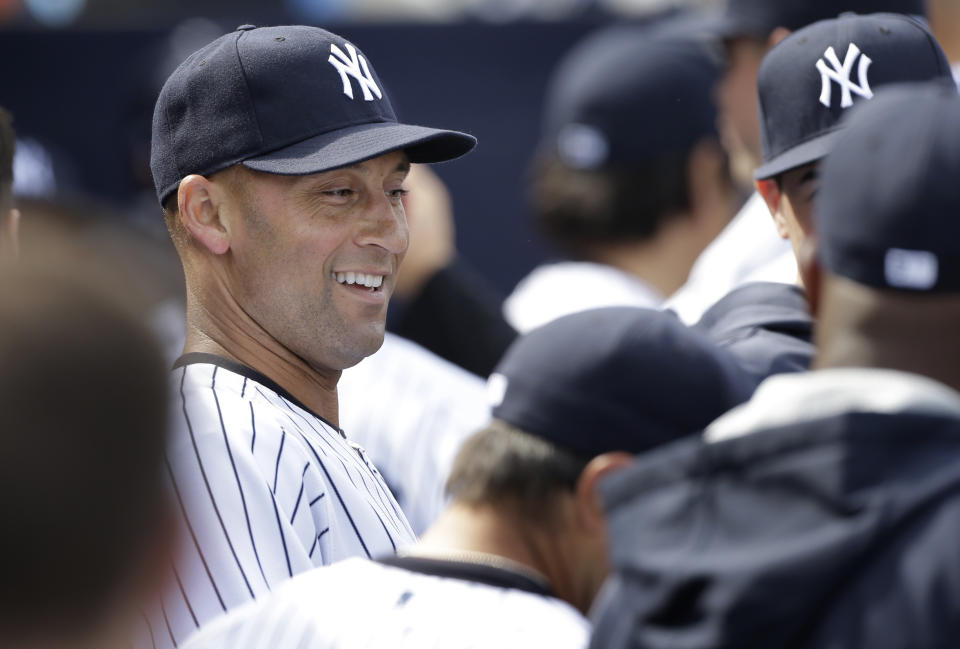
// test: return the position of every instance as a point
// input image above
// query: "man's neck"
(499, 532)
(254, 348)
(663, 263)
(859, 327)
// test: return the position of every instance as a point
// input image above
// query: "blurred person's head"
(630, 161)
(749, 28)
(883, 269)
(809, 81)
(83, 397)
(574, 400)
(9, 216)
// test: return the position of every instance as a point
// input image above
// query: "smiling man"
(279, 163)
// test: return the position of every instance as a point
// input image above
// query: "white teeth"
(350, 277)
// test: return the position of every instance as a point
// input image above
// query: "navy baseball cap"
(757, 18)
(630, 95)
(614, 379)
(886, 213)
(809, 80)
(286, 100)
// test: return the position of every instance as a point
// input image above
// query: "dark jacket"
(765, 325)
(824, 514)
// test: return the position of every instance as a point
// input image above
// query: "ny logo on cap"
(841, 74)
(353, 65)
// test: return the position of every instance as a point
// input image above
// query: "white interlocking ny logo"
(841, 74)
(353, 65)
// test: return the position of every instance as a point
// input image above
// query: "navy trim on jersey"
(468, 571)
(203, 358)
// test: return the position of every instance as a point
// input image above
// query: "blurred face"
(794, 215)
(737, 101)
(315, 257)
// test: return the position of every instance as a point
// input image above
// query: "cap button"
(245, 28)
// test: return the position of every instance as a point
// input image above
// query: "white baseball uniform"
(406, 603)
(425, 408)
(264, 489)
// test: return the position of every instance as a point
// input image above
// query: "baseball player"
(280, 164)
(804, 90)
(629, 201)
(519, 556)
(823, 513)
(809, 81)
(749, 249)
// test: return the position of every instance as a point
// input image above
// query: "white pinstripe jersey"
(425, 409)
(265, 489)
(364, 604)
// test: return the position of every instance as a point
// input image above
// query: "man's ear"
(198, 200)
(770, 192)
(587, 494)
(810, 271)
(10, 234)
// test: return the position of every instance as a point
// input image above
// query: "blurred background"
(81, 78)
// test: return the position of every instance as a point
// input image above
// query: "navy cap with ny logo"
(810, 79)
(287, 100)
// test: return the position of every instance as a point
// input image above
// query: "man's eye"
(340, 193)
(398, 193)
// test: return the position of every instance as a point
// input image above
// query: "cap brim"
(810, 151)
(362, 142)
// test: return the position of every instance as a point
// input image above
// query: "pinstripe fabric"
(425, 408)
(264, 490)
(358, 604)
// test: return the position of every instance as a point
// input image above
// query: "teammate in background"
(9, 215)
(823, 513)
(87, 524)
(749, 249)
(630, 181)
(809, 81)
(280, 164)
(804, 90)
(519, 556)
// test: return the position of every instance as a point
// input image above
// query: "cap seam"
(246, 87)
(176, 163)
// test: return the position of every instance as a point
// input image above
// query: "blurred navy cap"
(887, 208)
(285, 100)
(615, 379)
(809, 80)
(757, 18)
(630, 94)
